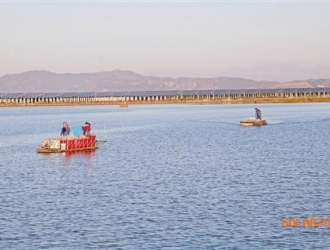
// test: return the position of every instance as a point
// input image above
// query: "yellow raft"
(253, 122)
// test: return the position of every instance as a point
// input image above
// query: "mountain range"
(120, 80)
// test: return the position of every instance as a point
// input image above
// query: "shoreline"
(270, 100)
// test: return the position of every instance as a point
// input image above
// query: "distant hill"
(294, 84)
(311, 83)
(119, 80)
(280, 72)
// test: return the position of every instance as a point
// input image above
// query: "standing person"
(87, 128)
(258, 113)
(65, 129)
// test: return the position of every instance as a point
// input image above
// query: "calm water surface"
(169, 177)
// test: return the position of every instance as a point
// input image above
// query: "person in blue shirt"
(65, 129)
(258, 113)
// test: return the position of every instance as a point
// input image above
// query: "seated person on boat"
(87, 128)
(65, 129)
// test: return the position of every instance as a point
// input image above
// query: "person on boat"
(65, 129)
(258, 113)
(87, 128)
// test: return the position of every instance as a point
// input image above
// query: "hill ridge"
(126, 80)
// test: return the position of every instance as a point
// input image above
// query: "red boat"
(70, 144)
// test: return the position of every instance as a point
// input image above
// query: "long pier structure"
(158, 96)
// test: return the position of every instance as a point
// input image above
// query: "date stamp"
(306, 222)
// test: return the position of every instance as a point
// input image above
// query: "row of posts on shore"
(159, 97)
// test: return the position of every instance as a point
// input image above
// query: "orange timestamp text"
(307, 222)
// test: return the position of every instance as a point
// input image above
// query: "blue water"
(169, 177)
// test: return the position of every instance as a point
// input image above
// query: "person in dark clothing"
(87, 128)
(258, 113)
(65, 129)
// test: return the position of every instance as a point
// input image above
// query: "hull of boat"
(253, 122)
(70, 144)
(45, 150)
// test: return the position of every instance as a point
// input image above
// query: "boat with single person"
(253, 122)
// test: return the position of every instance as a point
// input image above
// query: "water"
(169, 177)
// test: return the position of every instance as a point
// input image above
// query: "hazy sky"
(166, 38)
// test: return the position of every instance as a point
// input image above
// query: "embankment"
(176, 101)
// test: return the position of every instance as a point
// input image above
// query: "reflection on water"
(169, 177)
(83, 156)
(86, 154)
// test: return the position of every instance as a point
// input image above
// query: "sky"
(261, 40)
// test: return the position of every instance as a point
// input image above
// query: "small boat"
(123, 105)
(253, 122)
(70, 143)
